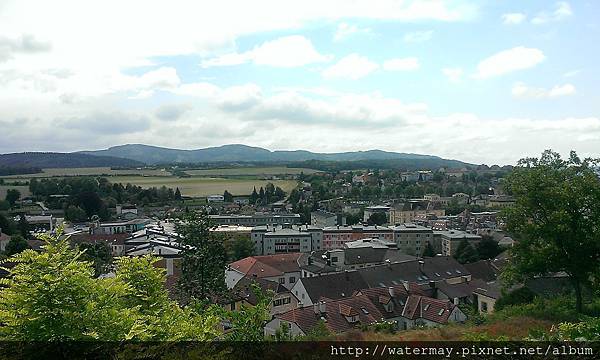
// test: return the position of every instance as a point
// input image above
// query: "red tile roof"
(267, 265)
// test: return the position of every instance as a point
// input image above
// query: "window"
(292, 279)
(282, 280)
(484, 307)
(334, 259)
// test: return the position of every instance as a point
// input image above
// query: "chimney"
(421, 265)
(405, 283)
(322, 307)
(391, 291)
(316, 308)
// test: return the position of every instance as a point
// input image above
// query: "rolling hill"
(62, 160)
(232, 153)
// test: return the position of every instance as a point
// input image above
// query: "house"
(418, 272)
(404, 305)
(412, 239)
(338, 316)
(120, 227)
(352, 257)
(450, 239)
(408, 211)
(322, 219)
(122, 209)
(286, 238)
(334, 237)
(215, 198)
(4, 239)
(283, 300)
(258, 219)
(282, 269)
(116, 242)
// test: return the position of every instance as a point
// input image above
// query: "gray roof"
(333, 286)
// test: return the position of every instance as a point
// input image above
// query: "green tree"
(488, 248)
(556, 219)
(428, 251)
(378, 218)
(7, 225)
(253, 197)
(465, 253)
(99, 254)
(227, 197)
(16, 245)
(203, 257)
(23, 226)
(75, 214)
(12, 195)
(248, 323)
(241, 247)
(177, 194)
(53, 296)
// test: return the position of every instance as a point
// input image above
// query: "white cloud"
(418, 36)
(352, 67)
(562, 10)
(513, 18)
(24, 44)
(453, 74)
(288, 51)
(504, 62)
(401, 64)
(521, 90)
(572, 73)
(345, 30)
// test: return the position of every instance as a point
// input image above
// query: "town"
(343, 251)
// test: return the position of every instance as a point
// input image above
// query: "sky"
(480, 81)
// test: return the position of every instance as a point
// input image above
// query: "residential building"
(410, 210)
(286, 238)
(403, 305)
(283, 300)
(450, 239)
(215, 198)
(370, 210)
(4, 239)
(322, 219)
(308, 290)
(334, 237)
(411, 239)
(282, 269)
(120, 227)
(257, 219)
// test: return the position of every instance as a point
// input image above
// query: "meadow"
(251, 171)
(202, 186)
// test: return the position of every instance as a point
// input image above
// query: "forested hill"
(62, 160)
(242, 153)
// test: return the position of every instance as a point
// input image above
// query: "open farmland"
(24, 190)
(89, 171)
(251, 171)
(201, 186)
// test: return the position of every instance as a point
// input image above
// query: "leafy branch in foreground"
(53, 296)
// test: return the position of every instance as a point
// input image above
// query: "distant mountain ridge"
(236, 152)
(63, 160)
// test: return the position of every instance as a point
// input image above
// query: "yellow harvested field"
(200, 186)
(251, 171)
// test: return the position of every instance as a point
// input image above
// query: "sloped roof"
(267, 265)
(428, 308)
(483, 270)
(333, 286)
(335, 314)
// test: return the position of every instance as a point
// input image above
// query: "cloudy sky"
(480, 81)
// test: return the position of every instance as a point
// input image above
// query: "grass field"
(88, 171)
(24, 190)
(200, 186)
(255, 171)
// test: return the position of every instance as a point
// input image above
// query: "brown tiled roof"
(428, 308)
(306, 318)
(267, 265)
